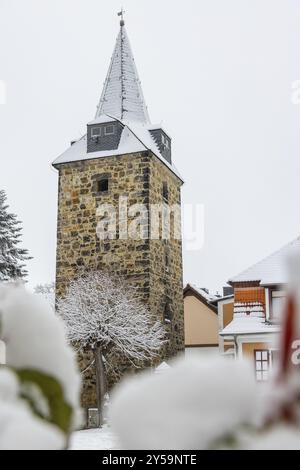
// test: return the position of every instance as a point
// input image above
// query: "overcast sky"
(217, 73)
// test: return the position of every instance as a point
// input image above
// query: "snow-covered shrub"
(207, 403)
(40, 384)
(19, 427)
(191, 406)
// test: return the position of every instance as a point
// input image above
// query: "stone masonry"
(154, 266)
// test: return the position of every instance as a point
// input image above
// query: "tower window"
(109, 130)
(167, 262)
(167, 313)
(165, 191)
(102, 185)
(96, 131)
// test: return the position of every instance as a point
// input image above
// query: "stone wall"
(166, 284)
(139, 177)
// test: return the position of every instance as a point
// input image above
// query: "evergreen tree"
(11, 256)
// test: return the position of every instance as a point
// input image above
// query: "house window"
(165, 192)
(102, 185)
(262, 364)
(109, 130)
(165, 141)
(277, 304)
(96, 131)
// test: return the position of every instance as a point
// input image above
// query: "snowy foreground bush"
(190, 405)
(39, 385)
(211, 403)
(216, 403)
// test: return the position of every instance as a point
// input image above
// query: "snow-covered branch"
(104, 311)
(47, 291)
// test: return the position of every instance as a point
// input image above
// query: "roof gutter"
(232, 335)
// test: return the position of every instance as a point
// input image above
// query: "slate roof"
(121, 100)
(122, 94)
(135, 138)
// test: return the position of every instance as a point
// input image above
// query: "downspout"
(236, 346)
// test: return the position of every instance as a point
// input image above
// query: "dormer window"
(96, 132)
(165, 141)
(109, 130)
(103, 136)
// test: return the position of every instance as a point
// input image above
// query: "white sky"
(218, 73)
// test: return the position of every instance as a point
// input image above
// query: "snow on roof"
(122, 94)
(271, 270)
(121, 100)
(203, 292)
(154, 127)
(248, 325)
(102, 119)
(224, 297)
(135, 138)
(78, 151)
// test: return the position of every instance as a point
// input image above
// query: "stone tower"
(122, 155)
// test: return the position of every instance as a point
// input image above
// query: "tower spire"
(122, 95)
(121, 13)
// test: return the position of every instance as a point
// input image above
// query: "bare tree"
(47, 291)
(104, 314)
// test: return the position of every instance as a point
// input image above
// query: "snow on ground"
(94, 439)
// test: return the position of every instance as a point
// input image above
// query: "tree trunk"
(100, 382)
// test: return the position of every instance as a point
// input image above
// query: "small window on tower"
(109, 130)
(102, 185)
(165, 191)
(167, 313)
(96, 131)
(167, 262)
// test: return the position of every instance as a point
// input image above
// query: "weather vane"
(121, 13)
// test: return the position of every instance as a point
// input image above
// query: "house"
(259, 298)
(201, 327)
(225, 306)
